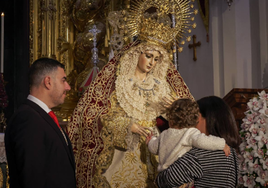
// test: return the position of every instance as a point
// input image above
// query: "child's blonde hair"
(183, 113)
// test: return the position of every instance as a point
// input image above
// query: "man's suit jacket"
(37, 153)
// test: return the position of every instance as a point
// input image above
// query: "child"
(182, 135)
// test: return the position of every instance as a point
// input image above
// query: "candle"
(2, 42)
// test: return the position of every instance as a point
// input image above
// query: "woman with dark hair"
(207, 168)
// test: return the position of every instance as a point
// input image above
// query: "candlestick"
(2, 43)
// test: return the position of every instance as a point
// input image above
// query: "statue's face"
(147, 61)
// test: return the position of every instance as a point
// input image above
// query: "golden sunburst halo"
(160, 21)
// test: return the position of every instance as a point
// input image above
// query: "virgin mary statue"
(112, 118)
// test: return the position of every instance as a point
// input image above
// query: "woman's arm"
(186, 169)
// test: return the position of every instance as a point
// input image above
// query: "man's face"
(60, 86)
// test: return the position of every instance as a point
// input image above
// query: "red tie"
(53, 116)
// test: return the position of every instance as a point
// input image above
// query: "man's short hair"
(41, 68)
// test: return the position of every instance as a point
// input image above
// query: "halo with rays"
(161, 21)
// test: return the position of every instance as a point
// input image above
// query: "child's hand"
(149, 137)
(226, 150)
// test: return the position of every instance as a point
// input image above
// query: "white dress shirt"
(39, 103)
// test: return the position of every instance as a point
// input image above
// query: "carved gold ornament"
(153, 20)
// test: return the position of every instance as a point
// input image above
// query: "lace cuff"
(155, 131)
(132, 139)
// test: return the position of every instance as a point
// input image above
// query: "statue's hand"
(143, 131)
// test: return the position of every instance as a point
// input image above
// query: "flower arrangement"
(254, 134)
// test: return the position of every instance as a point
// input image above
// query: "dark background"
(16, 52)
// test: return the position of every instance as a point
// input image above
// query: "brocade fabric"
(100, 126)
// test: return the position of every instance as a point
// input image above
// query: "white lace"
(140, 100)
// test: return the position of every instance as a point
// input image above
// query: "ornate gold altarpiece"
(59, 29)
(49, 29)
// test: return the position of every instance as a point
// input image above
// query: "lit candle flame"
(2, 43)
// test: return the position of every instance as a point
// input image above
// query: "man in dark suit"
(39, 152)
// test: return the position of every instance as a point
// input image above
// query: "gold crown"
(161, 21)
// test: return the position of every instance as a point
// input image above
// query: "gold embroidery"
(134, 170)
(89, 137)
(115, 125)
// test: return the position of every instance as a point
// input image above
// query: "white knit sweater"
(173, 143)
